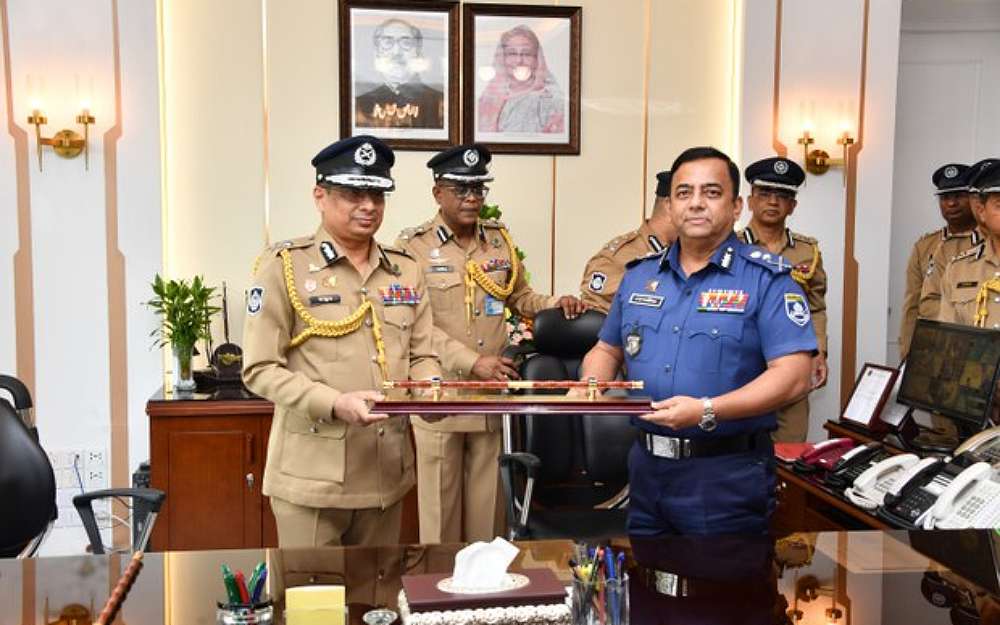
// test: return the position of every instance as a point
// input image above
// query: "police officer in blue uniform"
(721, 336)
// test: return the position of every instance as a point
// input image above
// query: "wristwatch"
(708, 421)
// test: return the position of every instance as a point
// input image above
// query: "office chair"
(564, 476)
(21, 400)
(28, 486)
(150, 496)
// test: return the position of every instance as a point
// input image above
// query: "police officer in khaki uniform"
(957, 236)
(605, 269)
(774, 182)
(970, 286)
(472, 272)
(329, 317)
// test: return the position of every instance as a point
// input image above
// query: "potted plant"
(185, 311)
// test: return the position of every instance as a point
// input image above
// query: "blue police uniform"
(702, 336)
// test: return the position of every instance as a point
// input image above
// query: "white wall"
(819, 79)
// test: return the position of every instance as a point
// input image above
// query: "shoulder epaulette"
(798, 236)
(614, 244)
(408, 233)
(639, 259)
(396, 250)
(930, 235)
(775, 263)
(292, 244)
(493, 223)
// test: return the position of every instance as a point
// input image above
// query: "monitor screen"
(951, 369)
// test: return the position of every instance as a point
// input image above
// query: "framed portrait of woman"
(398, 71)
(521, 78)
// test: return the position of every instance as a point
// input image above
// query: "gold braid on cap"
(803, 277)
(982, 300)
(474, 275)
(331, 329)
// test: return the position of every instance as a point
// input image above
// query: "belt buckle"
(668, 447)
(670, 584)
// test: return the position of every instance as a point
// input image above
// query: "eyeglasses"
(464, 191)
(514, 53)
(385, 43)
(773, 194)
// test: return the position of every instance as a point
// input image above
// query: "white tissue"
(483, 566)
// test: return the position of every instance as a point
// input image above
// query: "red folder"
(422, 593)
(790, 452)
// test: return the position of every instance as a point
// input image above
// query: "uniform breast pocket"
(638, 334)
(397, 328)
(963, 303)
(315, 451)
(445, 291)
(317, 307)
(710, 340)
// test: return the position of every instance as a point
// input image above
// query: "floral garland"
(519, 329)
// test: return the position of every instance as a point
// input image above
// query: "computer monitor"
(952, 370)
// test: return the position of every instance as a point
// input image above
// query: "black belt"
(678, 448)
(673, 585)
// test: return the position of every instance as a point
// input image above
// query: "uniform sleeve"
(782, 326)
(523, 298)
(600, 270)
(911, 301)
(930, 291)
(611, 330)
(266, 335)
(816, 295)
(424, 361)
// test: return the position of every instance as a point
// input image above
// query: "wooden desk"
(207, 452)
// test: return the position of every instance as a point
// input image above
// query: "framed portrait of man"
(522, 78)
(398, 72)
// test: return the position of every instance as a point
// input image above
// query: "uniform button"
(687, 291)
(480, 342)
(381, 574)
(312, 579)
(381, 431)
(996, 326)
(996, 274)
(405, 325)
(676, 329)
(364, 290)
(368, 322)
(715, 331)
(668, 368)
(374, 358)
(314, 429)
(477, 312)
(997, 300)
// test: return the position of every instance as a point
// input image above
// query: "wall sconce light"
(818, 162)
(65, 143)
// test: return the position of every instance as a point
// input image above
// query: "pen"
(259, 588)
(230, 582)
(609, 563)
(241, 585)
(254, 576)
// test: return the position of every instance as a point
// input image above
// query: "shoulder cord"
(803, 277)
(474, 275)
(332, 329)
(982, 298)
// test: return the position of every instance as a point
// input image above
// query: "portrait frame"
(362, 94)
(544, 118)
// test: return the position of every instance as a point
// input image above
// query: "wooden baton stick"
(117, 597)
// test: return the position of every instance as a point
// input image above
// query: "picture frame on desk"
(872, 389)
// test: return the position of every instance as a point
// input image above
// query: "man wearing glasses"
(774, 183)
(401, 99)
(472, 272)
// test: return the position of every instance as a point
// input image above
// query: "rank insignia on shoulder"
(645, 299)
(597, 280)
(796, 309)
(723, 300)
(255, 300)
(397, 294)
(317, 300)
(496, 264)
(652, 285)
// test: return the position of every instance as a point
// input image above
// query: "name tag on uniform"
(493, 306)
(966, 285)
(397, 294)
(645, 299)
(723, 300)
(318, 300)
(442, 268)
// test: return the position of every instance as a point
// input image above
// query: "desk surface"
(872, 577)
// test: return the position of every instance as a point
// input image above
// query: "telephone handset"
(854, 463)
(823, 456)
(914, 492)
(971, 500)
(983, 446)
(869, 489)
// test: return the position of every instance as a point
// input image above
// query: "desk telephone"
(948, 493)
(823, 456)
(869, 488)
(854, 463)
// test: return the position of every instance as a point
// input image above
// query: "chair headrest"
(27, 483)
(566, 338)
(18, 391)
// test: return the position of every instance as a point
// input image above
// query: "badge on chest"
(493, 306)
(723, 300)
(397, 294)
(633, 342)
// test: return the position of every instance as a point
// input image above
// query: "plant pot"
(183, 367)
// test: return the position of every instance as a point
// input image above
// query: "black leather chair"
(27, 487)
(564, 476)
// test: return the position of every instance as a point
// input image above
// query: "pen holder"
(261, 613)
(600, 602)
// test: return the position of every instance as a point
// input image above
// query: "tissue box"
(541, 602)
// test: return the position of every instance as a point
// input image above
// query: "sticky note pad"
(315, 598)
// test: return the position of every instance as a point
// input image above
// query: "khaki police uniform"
(457, 456)
(970, 288)
(605, 269)
(331, 482)
(807, 269)
(925, 261)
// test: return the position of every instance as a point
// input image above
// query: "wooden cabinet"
(207, 453)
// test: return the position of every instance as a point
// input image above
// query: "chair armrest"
(529, 462)
(84, 506)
